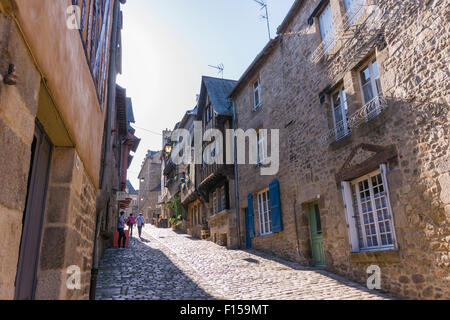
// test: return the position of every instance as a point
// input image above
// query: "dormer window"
(257, 100)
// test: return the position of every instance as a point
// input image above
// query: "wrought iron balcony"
(343, 128)
(353, 13)
(324, 47)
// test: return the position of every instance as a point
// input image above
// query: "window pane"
(365, 76)
(376, 220)
(327, 29)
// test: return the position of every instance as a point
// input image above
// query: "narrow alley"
(166, 265)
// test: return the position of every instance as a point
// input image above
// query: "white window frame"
(264, 214)
(351, 218)
(373, 83)
(257, 93)
(329, 39)
(343, 109)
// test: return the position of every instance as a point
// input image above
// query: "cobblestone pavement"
(171, 266)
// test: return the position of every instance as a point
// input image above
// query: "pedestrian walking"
(121, 229)
(131, 222)
(140, 224)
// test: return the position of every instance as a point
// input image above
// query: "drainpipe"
(238, 220)
(110, 104)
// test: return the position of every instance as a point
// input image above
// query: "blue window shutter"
(275, 206)
(251, 219)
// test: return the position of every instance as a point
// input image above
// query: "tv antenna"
(220, 67)
(263, 5)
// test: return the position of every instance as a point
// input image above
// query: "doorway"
(33, 216)
(316, 235)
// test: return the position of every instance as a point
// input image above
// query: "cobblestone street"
(170, 266)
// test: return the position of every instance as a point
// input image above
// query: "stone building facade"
(51, 123)
(360, 93)
(150, 187)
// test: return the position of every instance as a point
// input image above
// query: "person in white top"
(140, 224)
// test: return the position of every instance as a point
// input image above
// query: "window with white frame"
(371, 90)
(265, 221)
(326, 26)
(368, 211)
(340, 113)
(257, 101)
(354, 9)
(261, 151)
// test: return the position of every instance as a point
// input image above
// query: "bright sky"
(167, 47)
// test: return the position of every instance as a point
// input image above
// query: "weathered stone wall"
(411, 47)
(18, 107)
(69, 222)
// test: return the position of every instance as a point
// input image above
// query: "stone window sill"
(389, 256)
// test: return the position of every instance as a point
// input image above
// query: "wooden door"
(316, 235)
(33, 216)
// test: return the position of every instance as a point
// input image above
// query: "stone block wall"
(69, 221)
(69, 227)
(18, 107)
(411, 48)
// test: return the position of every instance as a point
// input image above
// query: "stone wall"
(18, 107)
(415, 82)
(69, 228)
(69, 221)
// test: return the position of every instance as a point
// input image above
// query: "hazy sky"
(167, 47)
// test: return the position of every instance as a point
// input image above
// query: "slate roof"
(218, 91)
(131, 188)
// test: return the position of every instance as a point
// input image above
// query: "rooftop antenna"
(220, 67)
(263, 5)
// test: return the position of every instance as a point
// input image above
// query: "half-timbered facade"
(214, 178)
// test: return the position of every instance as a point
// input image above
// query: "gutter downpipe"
(236, 176)
(111, 102)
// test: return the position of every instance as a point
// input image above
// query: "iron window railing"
(343, 128)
